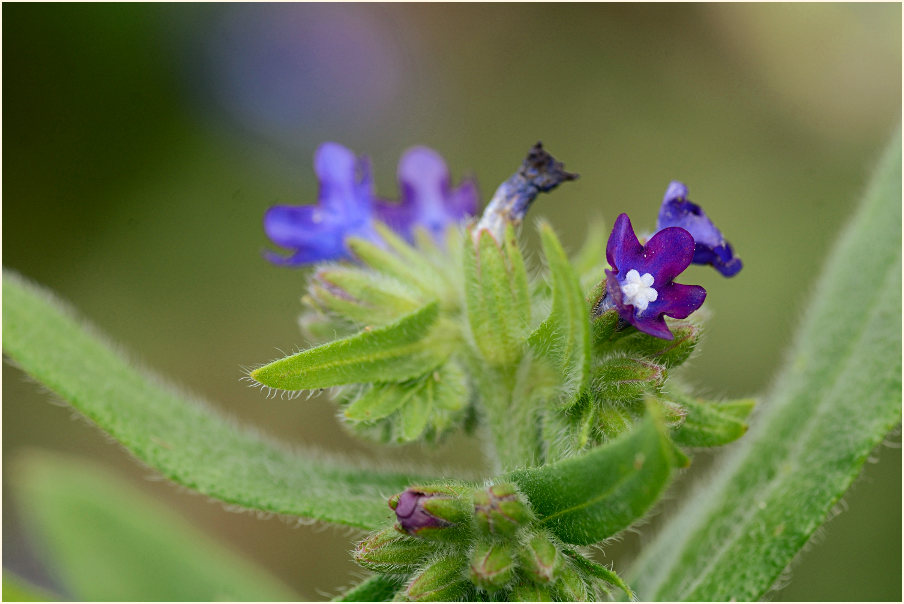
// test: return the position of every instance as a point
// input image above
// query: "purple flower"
(347, 206)
(710, 246)
(640, 285)
(410, 512)
(427, 196)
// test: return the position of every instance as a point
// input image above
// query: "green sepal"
(361, 295)
(669, 353)
(377, 588)
(497, 297)
(453, 509)
(500, 511)
(606, 328)
(391, 552)
(613, 420)
(591, 497)
(418, 274)
(599, 571)
(540, 559)
(442, 580)
(565, 334)
(570, 585)
(531, 592)
(399, 351)
(492, 565)
(710, 424)
(625, 379)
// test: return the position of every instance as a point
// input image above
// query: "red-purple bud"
(409, 510)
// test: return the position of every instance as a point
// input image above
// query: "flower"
(347, 205)
(710, 246)
(427, 196)
(641, 286)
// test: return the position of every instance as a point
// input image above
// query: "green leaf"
(396, 352)
(565, 334)
(180, 436)
(599, 571)
(107, 541)
(710, 424)
(837, 397)
(589, 498)
(17, 589)
(377, 588)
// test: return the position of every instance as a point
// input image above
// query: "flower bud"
(540, 559)
(492, 565)
(390, 552)
(442, 580)
(500, 511)
(625, 379)
(425, 511)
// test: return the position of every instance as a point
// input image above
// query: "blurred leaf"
(181, 437)
(836, 399)
(710, 423)
(395, 352)
(589, 498)
(378, 588)
(107, 541)
(17, 589)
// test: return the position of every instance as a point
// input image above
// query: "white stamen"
(638, 290)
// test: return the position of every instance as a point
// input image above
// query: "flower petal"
(667, 254)
(312, 232)
(623, 250)
(677, 300)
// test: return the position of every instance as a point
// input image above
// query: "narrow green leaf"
(395, 352)
(588, 498)
(378, 588)
(590, 261)
(107, 541)
(836, 399)
(387, 262)
(507, 316)
(180, 436)
(565, 335)
(519, 280)
(17, 589)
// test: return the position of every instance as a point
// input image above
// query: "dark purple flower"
(710, 246)
(427, 197)
(640, 285)
(347, 206)
(410, 512)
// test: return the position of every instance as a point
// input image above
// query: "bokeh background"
(143, 143)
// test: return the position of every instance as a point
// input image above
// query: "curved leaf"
(181, 437)
(589, 498)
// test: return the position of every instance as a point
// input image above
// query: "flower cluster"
(348, 207)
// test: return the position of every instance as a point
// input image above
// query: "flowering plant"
(426, 319)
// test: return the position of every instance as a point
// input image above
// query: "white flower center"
(638, 290)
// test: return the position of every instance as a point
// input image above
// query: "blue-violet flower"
(347, 206)
(640, 285)
(710, 246)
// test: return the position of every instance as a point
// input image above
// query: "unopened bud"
(500, 510)
(442, 580)
(492, 565)
(540, 559)
(425, 511)
(626, 379)
(390, 552)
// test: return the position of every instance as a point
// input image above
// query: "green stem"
(511, 420)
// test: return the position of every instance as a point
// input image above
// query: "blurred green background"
(143, 144)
